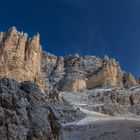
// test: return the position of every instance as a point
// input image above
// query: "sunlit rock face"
(108, 75)
(72, 82)
(20, 56)
(75, 73)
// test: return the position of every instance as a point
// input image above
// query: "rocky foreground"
(48, 97)
(25, 113)
(104, 130)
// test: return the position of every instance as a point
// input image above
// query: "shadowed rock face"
(129, 80)
(24, 114)
(27, 114)
(20, 56)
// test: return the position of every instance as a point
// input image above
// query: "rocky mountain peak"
(20, 56)
(106, 58)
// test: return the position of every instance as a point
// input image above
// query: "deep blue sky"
(95, 27)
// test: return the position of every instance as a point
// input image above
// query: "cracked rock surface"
(25, 114)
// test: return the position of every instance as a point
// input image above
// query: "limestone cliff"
(20, 56)
(108, 75)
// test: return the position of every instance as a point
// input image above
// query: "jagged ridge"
(75, 73)
(22, 58)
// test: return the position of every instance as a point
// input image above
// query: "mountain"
(75, 73)
(48, 97)
(22, 58)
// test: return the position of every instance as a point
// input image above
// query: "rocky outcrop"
(53, 69)
(68, 73)
(111, 101)
(24, 113)
(75, 73)
(77, 70)
(108, 75)
(116, 101)
(72, 82)
(20, 56)
(129, 80)
(27, 114)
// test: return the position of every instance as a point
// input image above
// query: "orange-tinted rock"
(20, 56)
(108, 75)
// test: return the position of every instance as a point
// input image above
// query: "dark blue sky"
(95, 27)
